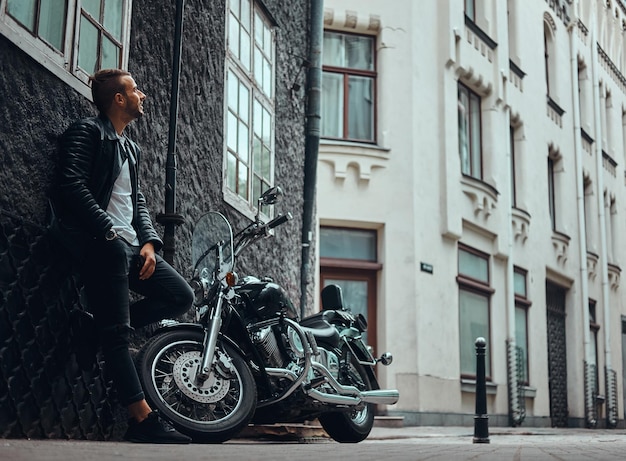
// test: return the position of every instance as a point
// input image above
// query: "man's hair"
(104, 85)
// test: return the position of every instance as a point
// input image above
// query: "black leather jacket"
(90, 160)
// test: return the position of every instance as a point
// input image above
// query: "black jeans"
(111, 269)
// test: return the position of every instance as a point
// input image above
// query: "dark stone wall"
(44, 390)
(35, 108)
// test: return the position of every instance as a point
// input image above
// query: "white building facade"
(471, 183)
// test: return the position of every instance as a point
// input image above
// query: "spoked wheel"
(355, 424)
(211, 411)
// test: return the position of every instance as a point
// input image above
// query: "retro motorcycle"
(248, 358)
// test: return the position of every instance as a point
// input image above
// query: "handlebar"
(278, 220)
(258, 230)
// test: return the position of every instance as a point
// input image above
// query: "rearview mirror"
(270, 196)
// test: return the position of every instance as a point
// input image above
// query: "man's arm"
(145, 229)
(79, 146)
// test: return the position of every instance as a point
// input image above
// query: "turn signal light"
(231, 279)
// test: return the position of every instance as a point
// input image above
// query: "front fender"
(174, 326)
(196, 327)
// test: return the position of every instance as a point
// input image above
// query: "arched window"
(549, 58)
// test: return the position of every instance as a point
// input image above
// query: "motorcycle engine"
(265, 339)
(292, 351)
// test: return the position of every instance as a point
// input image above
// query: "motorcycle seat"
(322, 331)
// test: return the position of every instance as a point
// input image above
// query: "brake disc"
(185, 371)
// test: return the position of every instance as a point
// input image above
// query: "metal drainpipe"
(601, 216)
(170, 219)
(516, 416)
(582, 232)
(314, 104)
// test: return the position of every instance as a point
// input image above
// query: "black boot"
(153, 429)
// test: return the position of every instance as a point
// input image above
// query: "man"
(100, 205)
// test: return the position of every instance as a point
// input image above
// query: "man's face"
(134, 98)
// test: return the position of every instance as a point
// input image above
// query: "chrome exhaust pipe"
(334, 399)
(381, 396)
(384, 394)
(378, 396)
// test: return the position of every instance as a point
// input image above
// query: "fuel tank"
(266, 298)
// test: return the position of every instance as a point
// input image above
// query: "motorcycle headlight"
(199, 290)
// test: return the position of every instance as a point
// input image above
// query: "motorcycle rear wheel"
(212, 412)
(355, 425)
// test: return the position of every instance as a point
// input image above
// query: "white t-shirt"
(120, 207)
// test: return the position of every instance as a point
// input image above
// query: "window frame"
(346, 73)
(588, 207)
(546, 59)
(348, 235)
(99, 25)
(512, 131)
(470, 123)
(522, 302)
(471, 11)
(550, 64)
(473, 285)
(594, 329)
(62, 63)
(552, 192)
(234, 66)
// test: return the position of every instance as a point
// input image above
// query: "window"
(249, 125)
(607, 122)
(470, 9)
(615, 234)
(588, 207)
(72, 38)
(348, 243)
(474, 298)
(100, 32)
(594, 328)
(546, 59)
(513, 182)
(348, 87)
(624, 133)
(584, 94)
(513, 19)
(521, 323)
(470, 132)
(610, 218)
(549, 59)
(551, 192)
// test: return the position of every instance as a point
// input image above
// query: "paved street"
(408, 443)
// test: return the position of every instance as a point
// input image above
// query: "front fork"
(210, 340)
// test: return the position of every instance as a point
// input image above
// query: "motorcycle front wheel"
(212, 411)
(356, 424)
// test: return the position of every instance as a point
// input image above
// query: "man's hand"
(147, 252)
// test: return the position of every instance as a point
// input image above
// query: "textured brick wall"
(43, 390)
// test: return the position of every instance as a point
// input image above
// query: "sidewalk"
(438, 434)
(424, 443)
(508, 435)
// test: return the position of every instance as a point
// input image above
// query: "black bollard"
(481, 419)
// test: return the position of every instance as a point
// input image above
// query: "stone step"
(306, 432)
(299, 432)
(388, 421)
